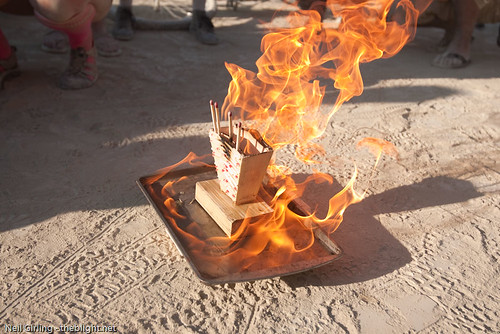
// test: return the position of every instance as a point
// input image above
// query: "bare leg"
(63, 10)
(458, 52)
(56, 41)
(75, 18)
(106, 45)
(8, 60)
(5, 49)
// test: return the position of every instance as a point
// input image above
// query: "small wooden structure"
(241, 165)
(223, 210)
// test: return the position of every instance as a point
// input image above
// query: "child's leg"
(8, 60)
(75, 18)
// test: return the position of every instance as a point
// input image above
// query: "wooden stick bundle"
(214, 110)
(239, 171)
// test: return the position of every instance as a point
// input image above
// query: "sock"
(78, 28)
(5, 50)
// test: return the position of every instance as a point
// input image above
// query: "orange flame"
(285, 237)
(282, 100)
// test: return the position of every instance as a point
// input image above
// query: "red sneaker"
(82, 70)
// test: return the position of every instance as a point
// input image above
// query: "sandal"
(106, 45)
(82, 70)
(55, 41)
(8, 67)
(450, 60)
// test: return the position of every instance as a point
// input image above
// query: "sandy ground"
(79, 243)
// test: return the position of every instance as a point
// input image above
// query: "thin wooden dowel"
(230, 117)
(217, 120)
(238, 136)
(212, 110)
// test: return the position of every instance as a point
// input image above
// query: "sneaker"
(124, 22)
(8, 67)
(82, 70)
(202, 28)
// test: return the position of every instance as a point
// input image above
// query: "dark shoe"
(8, 67)
(82, 70)
(202, 28)
(124, 22)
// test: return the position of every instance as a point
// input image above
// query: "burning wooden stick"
(238, 135)
(212, 110)
(230, 117)
(216, 105)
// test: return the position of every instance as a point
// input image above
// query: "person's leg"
(498, 37)
(201, 26)
(55, 41)
(124, 21)
(74, 18)
(5, 49)
(8, 60)
(106, 45)
(458, 52)
(317, 5)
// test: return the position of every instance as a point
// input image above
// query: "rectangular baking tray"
(224, 264)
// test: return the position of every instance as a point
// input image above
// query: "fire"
(282, 100)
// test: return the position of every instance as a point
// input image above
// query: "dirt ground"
(79, 243)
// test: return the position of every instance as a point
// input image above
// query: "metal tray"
(194, 232)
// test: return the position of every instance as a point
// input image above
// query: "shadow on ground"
(162, 81)
(85, 179)
(370, 251)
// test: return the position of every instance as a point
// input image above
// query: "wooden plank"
(240, 173)
(253, 169)
(223, 210)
